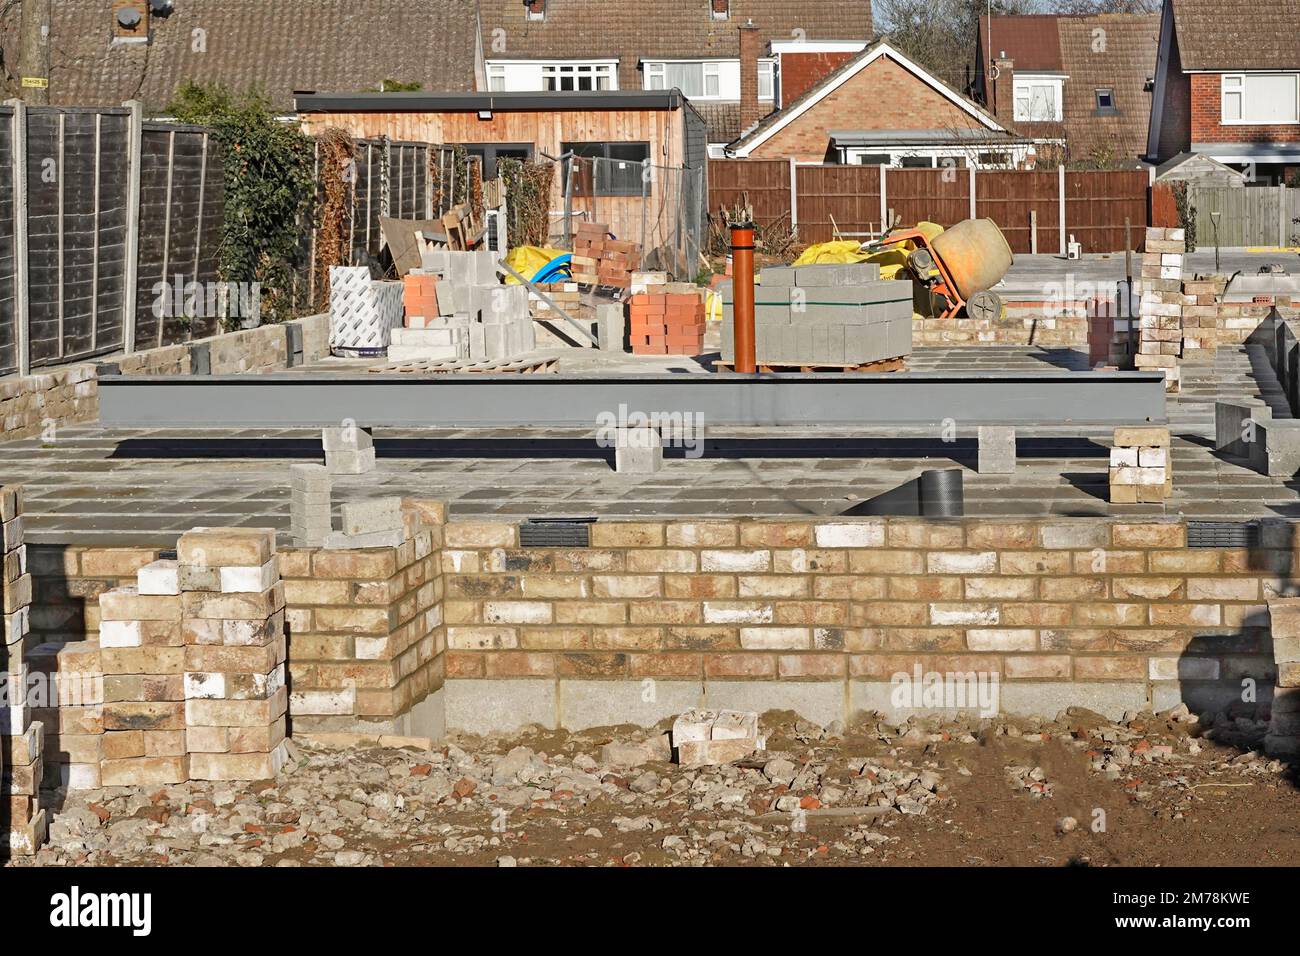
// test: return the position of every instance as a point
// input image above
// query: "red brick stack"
(666, 323)
(599, 260)
(419, 300)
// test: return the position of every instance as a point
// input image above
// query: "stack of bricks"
(710, 738)
(310, 490)
(420, 300)
(1141, 469)
(1201, 312)
(566, 295)
(21, 738)
(1283, 738)
(72, 675)
(670, 322)
(1110, 337)
(349, 450)
(235, 648)
(142, 656)
(600, 260)
(1160, 337)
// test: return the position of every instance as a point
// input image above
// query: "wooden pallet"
(540, 366)
(884, 365)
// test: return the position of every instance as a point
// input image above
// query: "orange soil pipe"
(742, 255)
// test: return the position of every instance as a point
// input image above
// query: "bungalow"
(1227, 85)
(881, 108)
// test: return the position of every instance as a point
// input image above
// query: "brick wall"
(801, 71)
(366, 635)
(884, 95)
(1206, 117)
(818, 616)
(1023, 323)
(1088, 601)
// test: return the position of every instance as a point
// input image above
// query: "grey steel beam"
(910, 398)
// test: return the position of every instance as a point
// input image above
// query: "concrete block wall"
(32, 405)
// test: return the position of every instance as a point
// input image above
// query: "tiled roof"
(1116, 52)
(276, 45)
(1238, 34)
(632, 30)
(722, 118)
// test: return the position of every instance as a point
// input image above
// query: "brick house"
(693, 45)
(880, 108)
(1227, 85)
(1081, 79)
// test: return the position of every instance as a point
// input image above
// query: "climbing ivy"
(269, 189)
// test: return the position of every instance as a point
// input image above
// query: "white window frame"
(657, 69)
(767, 72)
(1025, 83)
(1235, 84)
(1016, 154)
(500, 71)
(577, 68)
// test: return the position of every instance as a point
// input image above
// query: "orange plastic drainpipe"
(742, 255)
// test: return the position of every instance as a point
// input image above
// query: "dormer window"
(721, 9)
(536, 9)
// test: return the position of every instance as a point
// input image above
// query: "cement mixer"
(960, 265)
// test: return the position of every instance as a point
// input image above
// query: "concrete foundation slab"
(603, 703)
(485, 706)
(818, 701)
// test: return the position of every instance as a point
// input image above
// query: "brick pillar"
(1141, 467)
(233, 622)
(142, 655)
(1004, 91)
(1160, 336)
(1284, 727)
(22, 821)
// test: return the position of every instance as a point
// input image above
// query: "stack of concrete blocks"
(714, 737)
(1160, 333)
(1283, 738)
(310, 490)
(838, 315)
(1111, 342)
(142, 654)
(1141, 468)
(21, 738)
(488, 320)
(234, 653)
(349, 450)
(376, 523)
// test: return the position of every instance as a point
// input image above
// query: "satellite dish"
(128, 18)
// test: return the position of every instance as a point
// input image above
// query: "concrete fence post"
(794, 195)
(131, 258)
(884, 202)
(971, 190)
(22, 290)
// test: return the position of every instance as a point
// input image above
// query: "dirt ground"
(1164, 790)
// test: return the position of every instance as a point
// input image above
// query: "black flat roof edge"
(312, 102)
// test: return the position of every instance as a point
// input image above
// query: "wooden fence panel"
(1096, 204)
(1248, 216)
(765, 182)
(838, 198)
(1009, 197)
(932, 195)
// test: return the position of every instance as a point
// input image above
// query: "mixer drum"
(975, 254)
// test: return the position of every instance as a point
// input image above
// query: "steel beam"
(909, 398)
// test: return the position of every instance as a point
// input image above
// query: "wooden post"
(884, 202)
(794, 196)
(1060, 192)
(971, 189)
(22, 288)
(131, 257)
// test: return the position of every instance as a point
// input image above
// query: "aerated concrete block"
(1233, 436)
(611, 327)
(377, 514)
(1280, 447)
(997, 450)
(837, 275)
(638, 451)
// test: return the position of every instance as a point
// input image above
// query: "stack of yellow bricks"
(1141, 470)
(21, 738)
(1160, 333)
